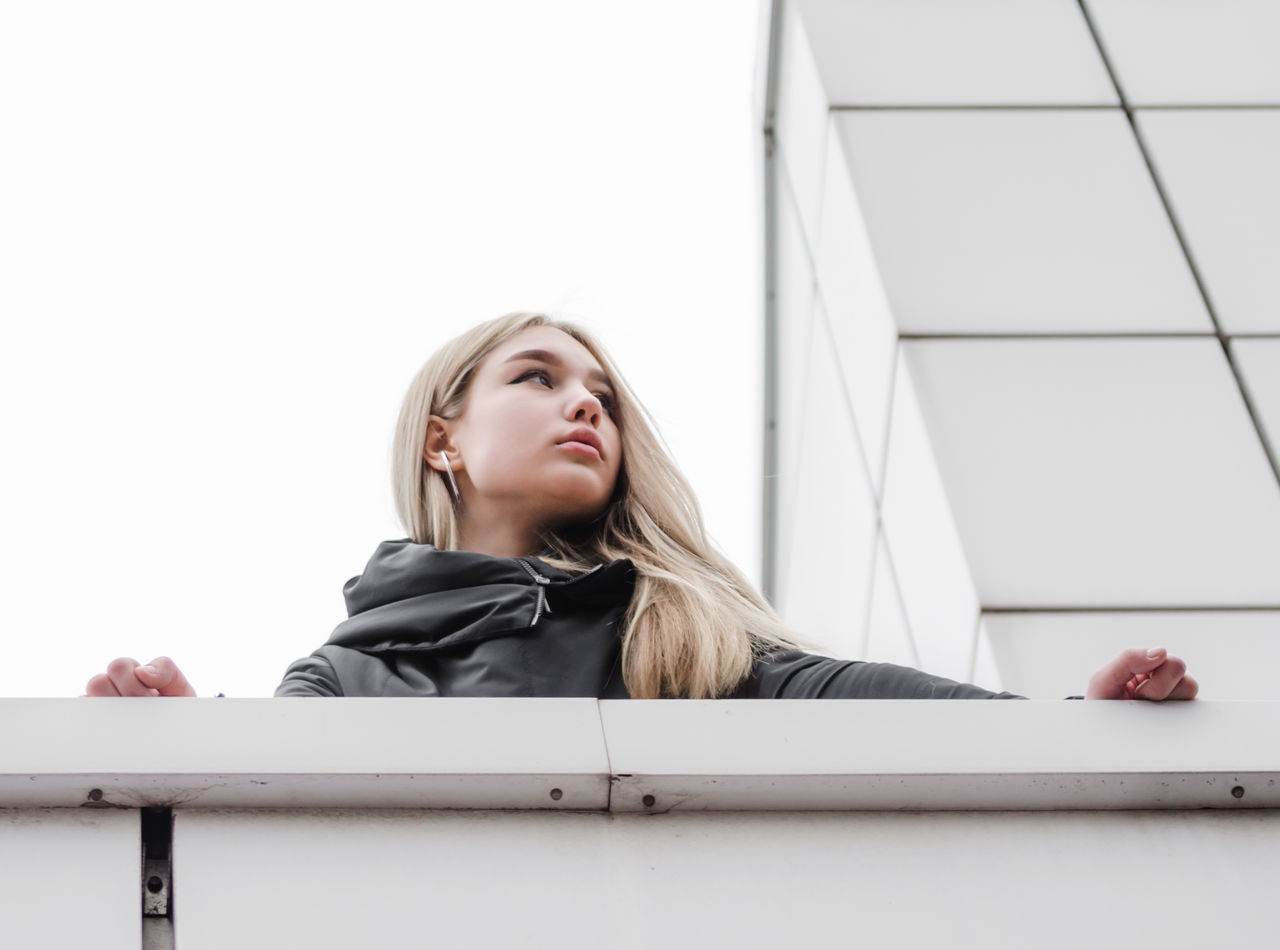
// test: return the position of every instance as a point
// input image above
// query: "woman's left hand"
(1143, 674)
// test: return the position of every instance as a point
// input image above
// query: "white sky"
(229, 235)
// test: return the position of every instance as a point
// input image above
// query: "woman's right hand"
(126, 677)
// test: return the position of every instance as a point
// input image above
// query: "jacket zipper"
(542, 583)
(543, 606)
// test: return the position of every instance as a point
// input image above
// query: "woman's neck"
(501, 537)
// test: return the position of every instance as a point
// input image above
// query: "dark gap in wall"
(157, 879)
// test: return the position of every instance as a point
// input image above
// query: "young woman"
(555, 550)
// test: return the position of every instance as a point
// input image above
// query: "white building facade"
(1023, 317)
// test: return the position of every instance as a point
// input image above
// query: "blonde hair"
(695, 625)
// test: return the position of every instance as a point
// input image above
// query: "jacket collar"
(416, 597)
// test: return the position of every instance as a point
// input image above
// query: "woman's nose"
(586, 408)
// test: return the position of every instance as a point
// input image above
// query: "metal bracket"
(157, 863)
(157, 878)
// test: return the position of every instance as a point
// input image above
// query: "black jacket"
(425, 622)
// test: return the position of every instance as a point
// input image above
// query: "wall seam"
(768, 492)
(1125, 107)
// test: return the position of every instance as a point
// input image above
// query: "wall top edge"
(637, 755)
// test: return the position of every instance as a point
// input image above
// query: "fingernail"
(154, 692)
(149, 670)
(1154, 652)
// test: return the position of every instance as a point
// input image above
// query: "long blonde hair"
(695, 624)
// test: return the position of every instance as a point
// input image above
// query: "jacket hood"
(414, 597)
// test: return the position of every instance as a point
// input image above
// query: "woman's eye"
(606, 399)
(541, 374)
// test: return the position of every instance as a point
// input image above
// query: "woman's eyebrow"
(551, 359)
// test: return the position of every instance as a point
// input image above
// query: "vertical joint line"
(973, 648)
(1127, 109)
(769, 443)
(1267, 449)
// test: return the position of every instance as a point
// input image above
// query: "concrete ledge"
(454, 753)
(655, 756)
(922, 754)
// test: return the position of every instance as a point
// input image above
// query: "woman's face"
(536, 439)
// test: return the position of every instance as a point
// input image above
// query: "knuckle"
(120, 665)
(97, 685)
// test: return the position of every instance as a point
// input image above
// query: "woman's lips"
(580, 447)
(583, 438)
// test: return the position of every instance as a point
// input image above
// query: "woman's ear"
(439, 443)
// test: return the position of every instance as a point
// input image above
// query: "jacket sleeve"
(792, 674)
(311, 676)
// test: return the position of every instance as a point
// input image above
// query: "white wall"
(781, 823)
(329, 879)
(869, 565)
(1027, 327)
(69, 877)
